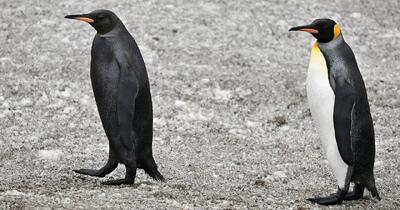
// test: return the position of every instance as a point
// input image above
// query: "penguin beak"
(307, 28)
(82, 17)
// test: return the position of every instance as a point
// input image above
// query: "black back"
(352, 118)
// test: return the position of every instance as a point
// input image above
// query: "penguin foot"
(90, 172)
(352, 196)
(330, 200)
(119, 182)
(358, 193)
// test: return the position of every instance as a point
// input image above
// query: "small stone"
(280, 174)
(42, 100)
(222, 94)
(355, 15)
(378, 163)
(26, 102)
(260, 182)
(180, 103)
(280, 120)
(50, 154)
(251, 124)
(204, 80)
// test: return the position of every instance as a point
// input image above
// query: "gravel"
(232, 129)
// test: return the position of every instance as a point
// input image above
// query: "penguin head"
(101, 20)
(324, 30)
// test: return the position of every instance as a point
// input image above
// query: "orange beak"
(309, 30)
(306, 28)
(85, 19)
(80, 17)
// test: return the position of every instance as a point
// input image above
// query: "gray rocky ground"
(232, 128)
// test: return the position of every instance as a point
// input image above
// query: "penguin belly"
(104, 73)
(321, 99)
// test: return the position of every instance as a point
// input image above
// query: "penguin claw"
(330, 200)
(118, 182)
(90, 172)
(156, 175)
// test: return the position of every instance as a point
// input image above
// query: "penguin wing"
(342, 112)
(128, 89)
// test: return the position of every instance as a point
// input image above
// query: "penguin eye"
(101, 17)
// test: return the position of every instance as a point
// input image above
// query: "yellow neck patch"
(336, 31)
(317, 61)
(315, 49)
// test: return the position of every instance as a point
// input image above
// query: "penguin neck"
(114, 31)
(332, 44)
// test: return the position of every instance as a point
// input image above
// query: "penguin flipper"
(127, 92)
(343, 108)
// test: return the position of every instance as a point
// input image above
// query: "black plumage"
(354, 128)
(122, 92)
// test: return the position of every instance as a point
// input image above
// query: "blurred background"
(232, 129)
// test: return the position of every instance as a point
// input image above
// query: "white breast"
(321, 100)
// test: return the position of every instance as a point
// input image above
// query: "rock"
(355, 15)
(378, 163)
(280, 174)
(66, 93)
(222, 94)
(251, 124)
(260, 182)
(26, 102)
(50, 154)
(43, 100)
(180, 103)
(280, 120)
(204, 80)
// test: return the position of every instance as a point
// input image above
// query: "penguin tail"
(155, 174)
(374, 193)
(372, 188)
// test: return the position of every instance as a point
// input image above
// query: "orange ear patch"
(336, 31)
(88, 20)
(310, 30)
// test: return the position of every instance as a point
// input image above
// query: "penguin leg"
(112, 163)
(126, 155)
(358, 193)
(333, 199)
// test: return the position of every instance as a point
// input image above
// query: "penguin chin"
(322, 39)
(103, 26)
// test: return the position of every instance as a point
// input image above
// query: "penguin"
(122, 92)
(339, 107)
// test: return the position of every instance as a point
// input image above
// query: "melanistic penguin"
(122, 92)
(339, 106)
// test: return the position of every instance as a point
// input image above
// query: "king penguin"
(339, 107)
(122, 92)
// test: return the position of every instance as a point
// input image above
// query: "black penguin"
(339, 106)
(122, 92)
